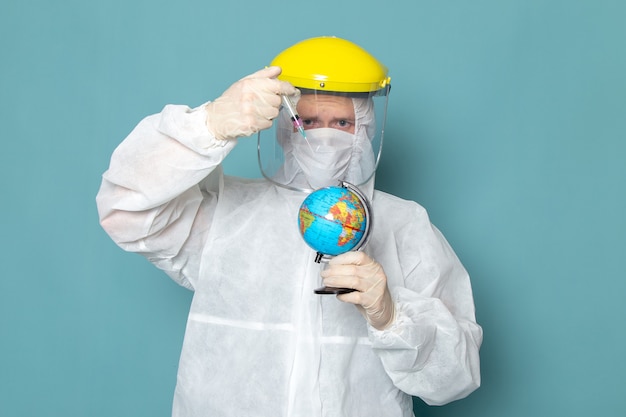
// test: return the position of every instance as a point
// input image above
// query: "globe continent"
(332, 220)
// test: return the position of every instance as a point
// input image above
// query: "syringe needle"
(295, 118)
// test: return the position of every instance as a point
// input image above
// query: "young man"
(259, 341)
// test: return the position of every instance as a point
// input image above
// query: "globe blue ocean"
(332, 220)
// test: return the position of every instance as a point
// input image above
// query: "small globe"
(333, 220)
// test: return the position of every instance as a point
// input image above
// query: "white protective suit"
(258, 341)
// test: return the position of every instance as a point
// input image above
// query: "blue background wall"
(507, 121)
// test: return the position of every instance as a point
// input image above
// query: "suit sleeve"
(158, 195)
(432, 349)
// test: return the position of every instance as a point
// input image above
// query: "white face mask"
(324, 156)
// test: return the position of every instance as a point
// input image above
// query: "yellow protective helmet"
(332, 64)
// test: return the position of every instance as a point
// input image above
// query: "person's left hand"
(358, 271)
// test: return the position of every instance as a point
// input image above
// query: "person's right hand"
(247, 106)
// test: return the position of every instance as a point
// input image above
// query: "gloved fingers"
(353, 270)
(344, 276)
(249, 105)
(274, 89)
(358, 271)
(264, 90)
(267, 72)
(260, 96)
(268, 75)
(256, 104)
(343, 281)
(368, 290)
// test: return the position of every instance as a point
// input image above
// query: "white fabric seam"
(251, 325)
(255, 325)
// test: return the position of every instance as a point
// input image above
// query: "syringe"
(295, 118)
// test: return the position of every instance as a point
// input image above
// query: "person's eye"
(309, 123)
(344, 124)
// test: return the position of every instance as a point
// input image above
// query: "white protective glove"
(358, 271)
(247, 106)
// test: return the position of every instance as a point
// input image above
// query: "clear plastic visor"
(321, 138)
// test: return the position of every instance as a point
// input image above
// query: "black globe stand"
(333, 290)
